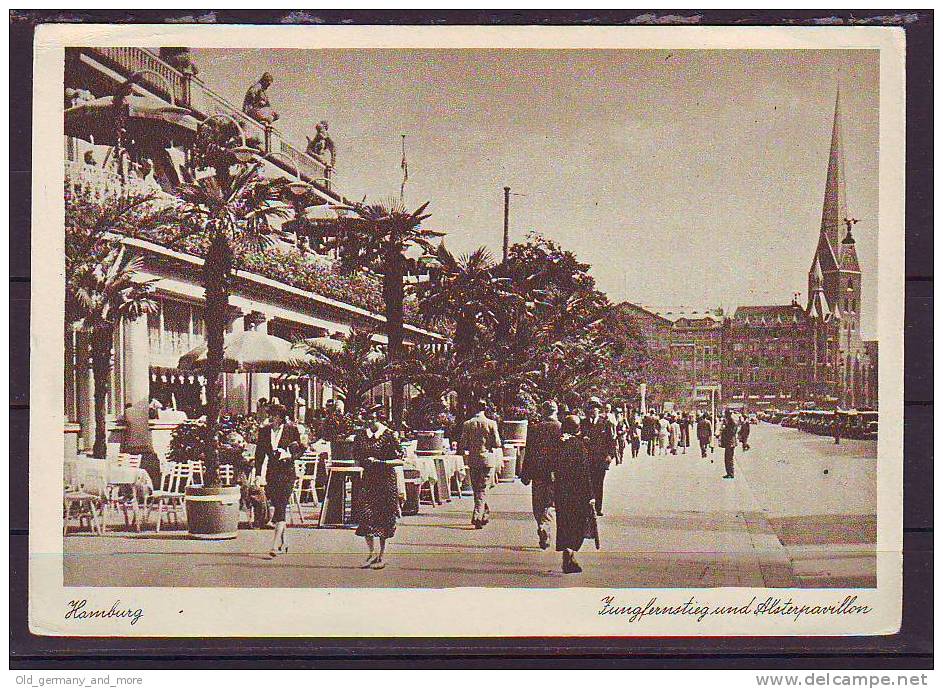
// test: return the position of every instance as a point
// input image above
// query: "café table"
(120, 482)
(343, 484)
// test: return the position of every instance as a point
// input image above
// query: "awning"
(149, 119)
(250, 351)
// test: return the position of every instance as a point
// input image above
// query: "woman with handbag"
(573, 494)
(278, 445)
(376, 448)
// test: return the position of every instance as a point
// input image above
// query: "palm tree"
(100, 295)
(466, 294)
(375, 237)
(230, 212)
(101, 284)
(354, 369)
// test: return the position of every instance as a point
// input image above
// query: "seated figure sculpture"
(256, 103)
(321, 147)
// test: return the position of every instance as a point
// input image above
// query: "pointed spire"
(815, 275)
(834, 208)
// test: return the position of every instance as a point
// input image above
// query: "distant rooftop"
(674, 313)
(769, 315)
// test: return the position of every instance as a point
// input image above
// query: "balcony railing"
(132, 60)
(104, 185)
(189, 92)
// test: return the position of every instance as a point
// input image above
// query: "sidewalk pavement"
(669, 521)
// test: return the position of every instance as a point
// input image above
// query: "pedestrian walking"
(279, 444)
(622, 432)
(649, 433)
(836, 428)
(743, 433)
(543, 439)
(685, 432)
(728, 441)
(479, 437)
(635, 435)
(663, 435)
(375, 447)
(600, 434)
(573, 493)
(704, 433)
(674, 434)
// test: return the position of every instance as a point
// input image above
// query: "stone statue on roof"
(321, 147)
(256, 103)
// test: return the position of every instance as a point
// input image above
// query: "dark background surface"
(911, 648)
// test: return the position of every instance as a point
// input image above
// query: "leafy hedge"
(291, 267)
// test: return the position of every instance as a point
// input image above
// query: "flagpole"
(402, 187)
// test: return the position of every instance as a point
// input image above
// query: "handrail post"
(268, 138)
(186, 86)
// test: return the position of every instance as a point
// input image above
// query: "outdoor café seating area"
(117, 494)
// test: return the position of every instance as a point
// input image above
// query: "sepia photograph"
(437, 316)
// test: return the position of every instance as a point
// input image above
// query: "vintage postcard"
(466, 331)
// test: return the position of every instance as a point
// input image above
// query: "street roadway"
(800, 512)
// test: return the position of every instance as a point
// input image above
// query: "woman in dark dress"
(280, 443)
(375, 446)
(573, 493)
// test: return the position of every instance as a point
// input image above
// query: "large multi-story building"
(784, 355)
(289, 290)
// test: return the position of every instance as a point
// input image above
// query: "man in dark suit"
(479, 438)
(600, 434)
(704, 433)
(728, 441)
(543, 440)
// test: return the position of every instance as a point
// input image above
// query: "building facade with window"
(785, 355)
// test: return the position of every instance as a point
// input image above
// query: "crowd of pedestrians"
(569, 452)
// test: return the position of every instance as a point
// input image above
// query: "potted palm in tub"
(212, 511)
(431, 423)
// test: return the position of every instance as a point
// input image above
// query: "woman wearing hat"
(280, 444)
(572, 492)
(374, 447)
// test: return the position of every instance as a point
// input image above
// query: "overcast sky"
(688, 178)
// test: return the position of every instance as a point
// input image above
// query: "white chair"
(170, 498)
(226, 474)
(306, 473)
(127, 460)
(88, 502)
(197, 472)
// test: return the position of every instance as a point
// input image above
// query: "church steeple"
(834, 208)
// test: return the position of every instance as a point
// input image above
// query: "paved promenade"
(801, 512)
